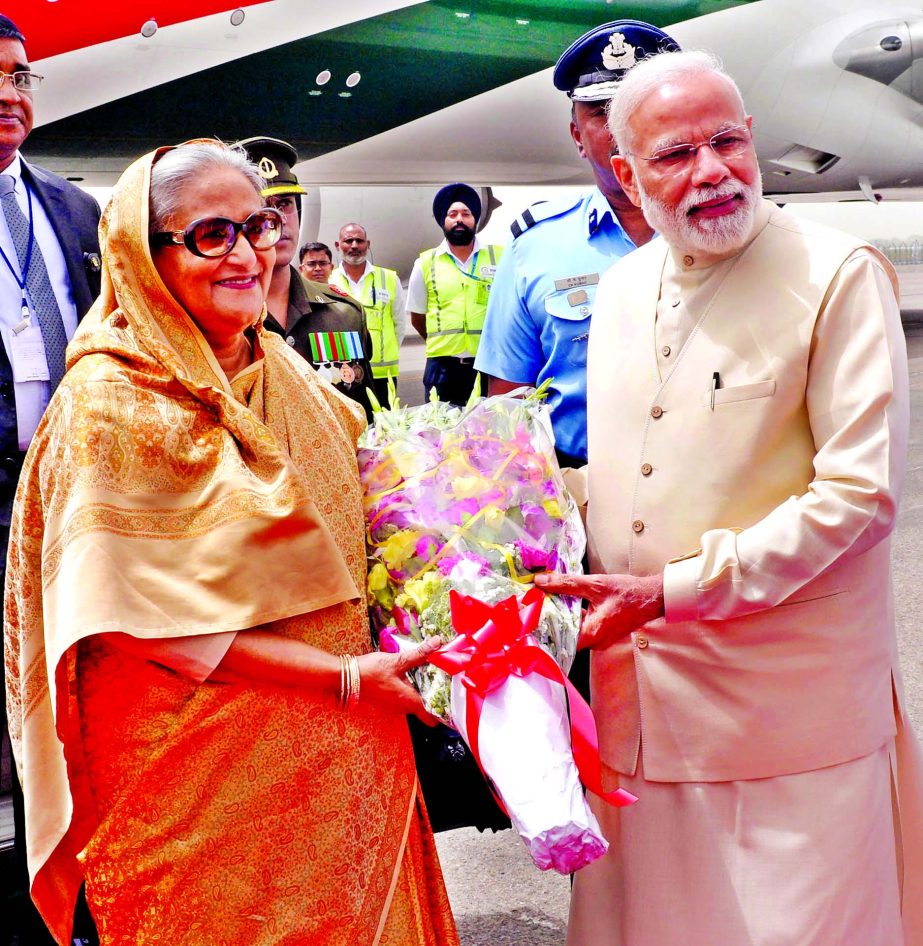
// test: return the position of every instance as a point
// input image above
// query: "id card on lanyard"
(26, 347)
(21, 280)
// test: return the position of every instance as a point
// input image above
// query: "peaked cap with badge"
(591, 67)
(274, 159)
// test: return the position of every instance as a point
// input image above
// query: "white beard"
(717, 235)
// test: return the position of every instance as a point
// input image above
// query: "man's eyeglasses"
(730, 143)
(285, 205)
(216, 236)
(22, 81)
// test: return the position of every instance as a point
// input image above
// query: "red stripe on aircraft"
(52, 27)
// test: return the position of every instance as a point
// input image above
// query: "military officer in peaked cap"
(325, 326)
(538, 315)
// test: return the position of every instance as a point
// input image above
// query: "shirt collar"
(595, 213)
(365, 272)
(14, 169)
(444, 248)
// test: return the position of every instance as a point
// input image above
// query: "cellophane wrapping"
(473, 500)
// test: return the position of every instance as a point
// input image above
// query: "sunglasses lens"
(214, 237)
(262, 229)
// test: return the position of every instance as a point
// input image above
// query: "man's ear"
(578, 141)
(625, 175)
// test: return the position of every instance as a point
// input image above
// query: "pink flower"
(533, 557)
(427, 546)
(386, 641)
(403, 621)
(460, 511)
(448, 562)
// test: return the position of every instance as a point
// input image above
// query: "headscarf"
(154, 503)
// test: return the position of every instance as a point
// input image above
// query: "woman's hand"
(619, 604)
(383, 679)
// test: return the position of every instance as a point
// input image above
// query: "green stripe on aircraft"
(413, 61)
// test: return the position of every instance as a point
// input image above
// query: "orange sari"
(161, 500)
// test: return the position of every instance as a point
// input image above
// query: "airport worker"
(324, 325)
(315, 261)
(49, 276)
(742, 491)
(538, 317)
(382, 296)
(447, 294)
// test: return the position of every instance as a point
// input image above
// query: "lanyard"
(21, 282)
(474, 265)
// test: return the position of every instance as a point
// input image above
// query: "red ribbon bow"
(495, 641)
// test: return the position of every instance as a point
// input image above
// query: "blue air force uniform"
(538, 314)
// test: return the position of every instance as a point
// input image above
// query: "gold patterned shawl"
(151, 502)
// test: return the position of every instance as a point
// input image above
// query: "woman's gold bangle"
(349, 681)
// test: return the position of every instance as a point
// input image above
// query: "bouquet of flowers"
(462, 508)
(470, 501)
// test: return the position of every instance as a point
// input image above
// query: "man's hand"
(618, 603)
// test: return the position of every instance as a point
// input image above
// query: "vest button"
(656, 412)
(642, 642)
(637, 526)
(666, 351)
(646, 469)
(688, 260)
(291, 341)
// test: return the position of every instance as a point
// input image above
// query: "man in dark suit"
(49, 276)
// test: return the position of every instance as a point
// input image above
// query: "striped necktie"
(41, 294)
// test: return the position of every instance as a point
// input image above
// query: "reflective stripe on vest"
(379, 317)
(456, 301)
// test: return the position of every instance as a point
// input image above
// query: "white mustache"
(707, 193)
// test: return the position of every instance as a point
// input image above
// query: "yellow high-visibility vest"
(378, 294)
(456, 300)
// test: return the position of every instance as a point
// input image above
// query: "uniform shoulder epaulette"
(324, 294)
(543, 210)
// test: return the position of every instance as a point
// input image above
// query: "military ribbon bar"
(335, 346)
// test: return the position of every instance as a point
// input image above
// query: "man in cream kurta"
(747, 427)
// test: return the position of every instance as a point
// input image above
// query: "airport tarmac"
(499, 897)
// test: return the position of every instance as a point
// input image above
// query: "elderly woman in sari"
(201, 731)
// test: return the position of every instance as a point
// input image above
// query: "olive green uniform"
(321, 322)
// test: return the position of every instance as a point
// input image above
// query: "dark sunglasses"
(216, 236)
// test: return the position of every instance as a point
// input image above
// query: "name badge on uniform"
(383, 296)
(489, 271)
(575, 282)
(27, 354)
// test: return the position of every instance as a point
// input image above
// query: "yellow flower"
(399, 547)
(418, 592)
(494, 517)
(552, 508)
(466, 486)
(379, 586)
(378, 577)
